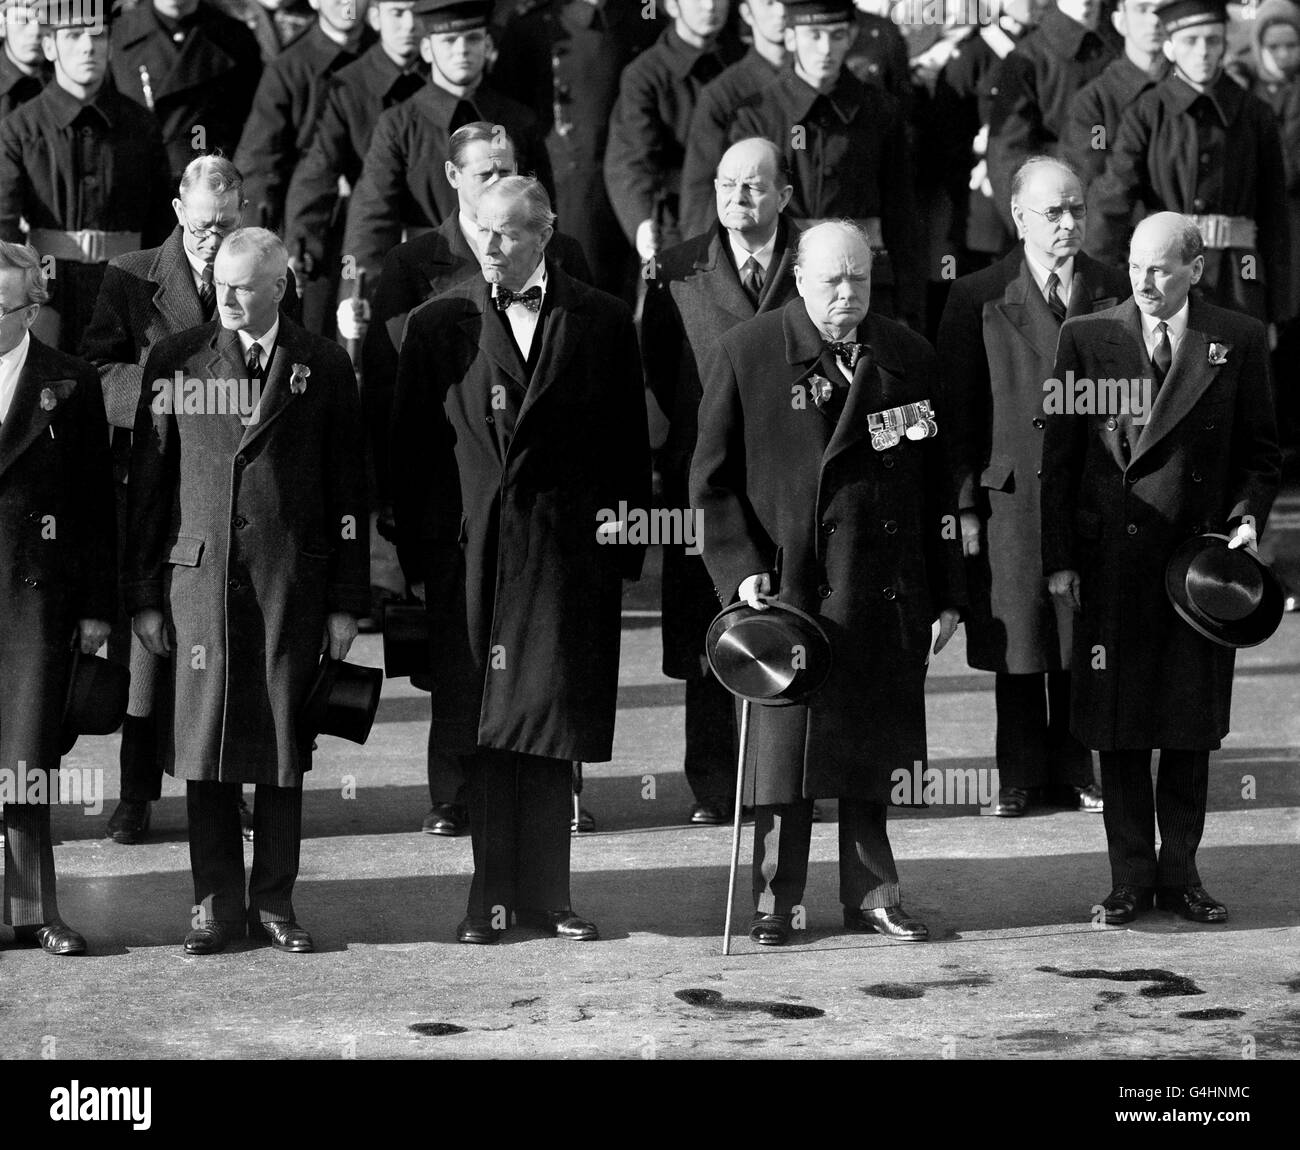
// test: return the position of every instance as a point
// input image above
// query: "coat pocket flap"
(185, 550)
(1087, 524)
(998, 474)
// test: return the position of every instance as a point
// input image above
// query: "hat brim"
(342, 702)
(777, 657)
(1249, 631)
(95, 701)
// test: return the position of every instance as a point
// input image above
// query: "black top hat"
(1179, 14)
(775, 657)
(453, 15)
(342, 701)
(96, 700)
(1231, 597)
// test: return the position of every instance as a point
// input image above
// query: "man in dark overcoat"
(56, 550)
(247, 558)
(827, 504)
(740, 267)
(520, 450)
(997, 343)
(146, 296)
(1118, 499)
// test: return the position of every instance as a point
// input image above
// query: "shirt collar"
(66, 107)
(1040, 272)
(196, 264)
(1218, 94)
(681, 56)
(17, 353)
(537, 279)
(1177, 324)
(266, 340)
(1068, 35)
(763, 255)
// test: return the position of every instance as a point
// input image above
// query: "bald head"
(752, 186)
(1165, 258)
(833, 275)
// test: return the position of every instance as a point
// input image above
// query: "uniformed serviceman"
(1198, 143)
(24, 70)
(275, 24)
(317, 203)
(191, 65)
(402, 189)
(563, 59)
(1092, 121)
(650, 121)
(84, 167)
(289, 100)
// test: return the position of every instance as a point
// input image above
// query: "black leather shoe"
(709, 815)
(891, 921)
(1090, 800)
(450, 819)
(561, 923)
(245, 820)
(1012, 802)
(476, 929)
(770, 929)
(213, 938)
(130, 823)
(1124, 903)
(584, 822)
(54, 937)
(1192, 902)
(286, 936)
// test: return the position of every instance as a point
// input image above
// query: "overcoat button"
(489, 420)
(1209, 425)
(887, 461)
(889, 593)
(233, 585)
(824, 591)
(1132, 528)
(1039, 422)
(240, 461)
(1111, 424)
(829, 528)
(891, 527)
(1196, 477)
(30, 582)
(239, 522)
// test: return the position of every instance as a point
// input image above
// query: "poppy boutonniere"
(821, 390)
(1218, 354)
(49, 401)
(298, 378)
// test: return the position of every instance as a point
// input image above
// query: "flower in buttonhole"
(1218, 354)
(821, 389)
(48, 400)
(298, 378)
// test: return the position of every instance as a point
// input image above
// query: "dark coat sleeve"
(266, 155)
(1065, 446)
(705, 144)
(636, 154)
(109, 343)
(96, 590)
(345, 478)
(966, 393)
(374, 216)
(1113, 196)
(1256, 458)
(313, 199)
(1015, 127)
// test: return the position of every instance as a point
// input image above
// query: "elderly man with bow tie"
(820, 474)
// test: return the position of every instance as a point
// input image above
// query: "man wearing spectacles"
(146, 296)
(997, 341)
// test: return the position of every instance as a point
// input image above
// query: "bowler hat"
(776, 657)
(96, 700)
(1231, 596)
(406, 640)
(342, 701)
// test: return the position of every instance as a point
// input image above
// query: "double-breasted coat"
(1119, 498)
(863, 539)
(997, 344)
(501, 476)
(694, 296)
(246, 538)
(57, 537)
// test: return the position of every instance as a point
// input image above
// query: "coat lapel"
(561, 332)
(491, 337)
(1027, 312)
(865, 394)
(1189, 376)
(291, 346)
(1123, 357)
(175, 298)
(26, 419)
(1087, 293)
(716, 281)
(780, 269)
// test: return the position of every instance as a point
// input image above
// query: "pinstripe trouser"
(29, 865)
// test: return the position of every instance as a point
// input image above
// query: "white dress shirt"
(196, 267)
(266, 341)
(1177, 329)
(469, 229)
(1065, 273)
(763, 256)
(523, 321)
(11, 368)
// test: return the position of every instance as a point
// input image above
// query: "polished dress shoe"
(1089, 799)
(213, 938)
(1012, 802)
(283, 935)
(770, 929)
(476, 929)
(54, 937)
(891, 921)
(450, 819)
(709, 815)
(130, 822)
(1124, 902)
(1192, 902)
(561, 923)
(245, 820)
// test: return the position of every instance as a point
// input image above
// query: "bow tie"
(848, 352)
(531, 299)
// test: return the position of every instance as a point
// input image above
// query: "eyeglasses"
(1053, 214)
(219, 228)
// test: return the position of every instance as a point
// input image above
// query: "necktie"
(255, 360)
(1054, 300)
(751, 279)
(848, 353)
(1163, 355)
(531, 299)
(208, 294)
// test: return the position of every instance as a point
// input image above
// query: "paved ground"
(1016, 970)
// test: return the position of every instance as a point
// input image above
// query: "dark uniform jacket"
(354, 100)
(648, 132)
(403, 182)
(1034, 87)
(200, 89)
(502, 471)
(67, 165)
(1092, 122)
(563, 59)
(694, 294)
(16, 87)
(246, 537)
(850, 159)
(1118, 499)
(1215, 152)
(879, 56)
(854, 535)
(273, 31)
(997, 343)
(283, 120)
(57, 531)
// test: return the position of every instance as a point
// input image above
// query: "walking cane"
(735, 824)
